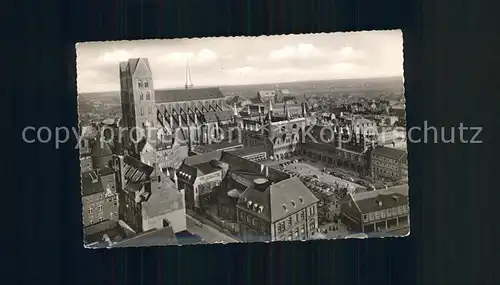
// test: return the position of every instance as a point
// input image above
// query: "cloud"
(180, 58)
(115, 56)
(244, 60)
(242, 70)
(302, 51)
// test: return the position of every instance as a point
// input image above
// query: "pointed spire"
(195, 119)
(171, 121)
(270, 105)
(167, 173)
(248, 109)
(180, 120)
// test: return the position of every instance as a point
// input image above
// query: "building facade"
(285, 210)
(99, 197)
(389, 163)
(378, 210)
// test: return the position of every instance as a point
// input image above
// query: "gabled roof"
(182, 95)
(392, 153)
(279, 199)
(286, 191)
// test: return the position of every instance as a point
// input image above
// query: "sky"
(244, 60)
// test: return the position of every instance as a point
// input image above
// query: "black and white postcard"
(242, 139)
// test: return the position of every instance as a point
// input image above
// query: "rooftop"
(392, 153)
(183, 95)
(91, 183)
(248, 151)
(381, 199)
(279, 199)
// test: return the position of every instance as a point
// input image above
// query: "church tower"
(138, 100)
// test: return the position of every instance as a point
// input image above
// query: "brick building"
(389, 163)
(286, 210)
(99, 196)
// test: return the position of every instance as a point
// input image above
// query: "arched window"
(148, 97)
(141, 96)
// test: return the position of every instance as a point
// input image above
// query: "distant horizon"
(245, 60)
(256, 84)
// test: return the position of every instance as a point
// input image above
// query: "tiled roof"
(368, 202)
(286, 191)
(392, 153)
(181, 95)
(279, 199)
(206, 168)
(388, 201)
(202, 158)
(91, 183)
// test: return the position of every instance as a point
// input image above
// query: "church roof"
(183, 95)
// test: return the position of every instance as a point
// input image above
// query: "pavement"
(206, 232)
(308, 170)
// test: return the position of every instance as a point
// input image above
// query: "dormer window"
(293, 203)
(301, 200)
(285, 208)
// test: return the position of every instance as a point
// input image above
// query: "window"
(281, 227)
(141, 96)
(302, 229)
(90, 211)
(149, 110)
(242, 217)
(148, 96)
(290, 222)
(146, 84)
(365, 218)
(296, 233)
(254, 221)
(100, 208)
(290, 236)
(141, 112)
(377, 215)
(302, 215)
(139, 84)
(382, 214)
(249, 219)
(312, 226)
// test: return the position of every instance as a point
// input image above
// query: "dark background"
(451, 76)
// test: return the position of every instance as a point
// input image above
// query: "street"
(207, 233)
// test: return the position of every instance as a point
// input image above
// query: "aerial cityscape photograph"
(243, 139)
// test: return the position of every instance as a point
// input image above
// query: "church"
(163, 125)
